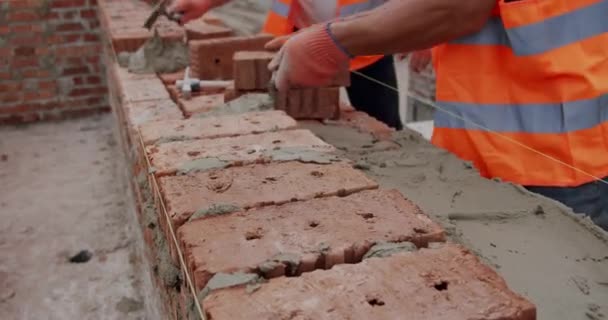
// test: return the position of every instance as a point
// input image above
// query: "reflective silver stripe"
(351, 9)
(280, 8)
(526, 118)
(546, 35)
(493, 33)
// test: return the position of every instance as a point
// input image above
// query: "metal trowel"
(160, 9)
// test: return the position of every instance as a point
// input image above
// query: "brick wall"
(50, 60)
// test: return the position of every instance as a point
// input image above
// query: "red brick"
(251, 70)
(216, 127)
(257, 185)
(138, 113)
(200, 30)
(89, 37)
(22, 16)
(88, 14)
(169, 158)
(212, 59)
(311, 103)
(346, 227)
(72, 26)
(201, 104)
(75, 70)
(135, 88)
(67, 3)
(443, 283)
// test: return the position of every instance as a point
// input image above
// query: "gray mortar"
(304, 155)
(250, 102)
(157, 55)
(215, 210)
(536, 244)
(166, 270)
(224, 280)
(387, 249)
(202, 164)
(289, 260)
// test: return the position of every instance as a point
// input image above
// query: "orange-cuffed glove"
(309, 58)
(192, 9)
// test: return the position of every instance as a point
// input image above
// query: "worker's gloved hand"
(190, 9)
(309, 58)
(419, 60)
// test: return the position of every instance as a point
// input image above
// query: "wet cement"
(383, 250)
(545, 252)
(157, 55)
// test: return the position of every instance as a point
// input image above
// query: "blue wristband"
(335, 41)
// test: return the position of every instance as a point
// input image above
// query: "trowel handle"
(214, 84)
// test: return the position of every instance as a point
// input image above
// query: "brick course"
(317, 234)
(447, 283)
(49, 60)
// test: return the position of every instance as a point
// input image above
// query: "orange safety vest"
(537, 73)
(279, 23)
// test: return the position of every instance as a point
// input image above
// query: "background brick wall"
(50, 60)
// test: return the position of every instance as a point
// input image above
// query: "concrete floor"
(63, 191)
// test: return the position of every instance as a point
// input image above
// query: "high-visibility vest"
(280, 23)
(537, 74)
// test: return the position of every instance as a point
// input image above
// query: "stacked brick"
(49, 60)
(254, 218)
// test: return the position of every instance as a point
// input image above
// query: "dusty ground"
(62, 191)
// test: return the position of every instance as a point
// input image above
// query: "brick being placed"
(310, 103)
(212, 59)
(304, 236)
(180, 156)
(215, 127)
(251, 70)
(446, 282)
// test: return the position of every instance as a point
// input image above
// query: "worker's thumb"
(276, 43)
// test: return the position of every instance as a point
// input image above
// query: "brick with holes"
(251, 70)
(310, 103)
(212, 59)
(446, 282)
(316, 234)
(206, 187)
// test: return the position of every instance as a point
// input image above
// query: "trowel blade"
(156, 12)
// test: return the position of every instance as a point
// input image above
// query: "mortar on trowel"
(189, 85)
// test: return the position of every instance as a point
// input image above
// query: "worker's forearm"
(410, 25)
(217, 3)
